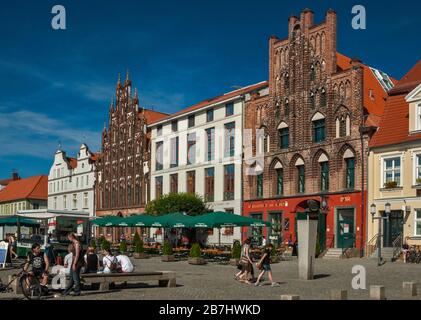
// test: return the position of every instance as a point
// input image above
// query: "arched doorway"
(303, 209)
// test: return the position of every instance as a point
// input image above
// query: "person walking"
(246, 263)
(77, 264)
(264, 266)
(12, 247)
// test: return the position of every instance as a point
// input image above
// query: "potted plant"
(236, 254)
(390, 184)
(105, 245)
(123, 247)
(93, 244)
(195, 255)
(139, 252)
(418, 181)
(167, 253)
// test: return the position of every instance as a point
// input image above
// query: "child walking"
(264, 265)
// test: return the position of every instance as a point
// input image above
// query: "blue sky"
(57, 85)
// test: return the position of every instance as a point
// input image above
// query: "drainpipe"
(362, 193)
(243, 98)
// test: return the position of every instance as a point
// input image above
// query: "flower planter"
(197, 261)
(168, 258)
(391, 185)
(141, 255)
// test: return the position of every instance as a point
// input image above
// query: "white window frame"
(74, 201)
(85, 200)
(383, 167)
(415, 222)
(418, 117)
(64, 202)
(415, 166)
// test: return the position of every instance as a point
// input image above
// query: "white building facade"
(71, 182)
(199, 150)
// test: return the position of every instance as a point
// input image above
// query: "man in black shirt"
(39, 263)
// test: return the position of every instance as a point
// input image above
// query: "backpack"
(114, 265)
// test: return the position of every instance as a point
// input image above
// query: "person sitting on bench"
(91, 261)
(125, 263)
(110, 262)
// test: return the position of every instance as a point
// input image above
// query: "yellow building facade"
(394, 172)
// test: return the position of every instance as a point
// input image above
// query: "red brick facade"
(309, 80)
(122, 177)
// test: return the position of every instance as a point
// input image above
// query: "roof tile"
(29, 188)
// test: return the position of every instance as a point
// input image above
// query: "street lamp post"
(380, 236)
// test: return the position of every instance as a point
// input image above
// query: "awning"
(13, 221)
(226, 219)
(180, 220)
(108, 221)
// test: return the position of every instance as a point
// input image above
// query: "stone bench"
(164, 278)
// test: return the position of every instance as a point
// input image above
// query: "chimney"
(15, 175)
(356, 63)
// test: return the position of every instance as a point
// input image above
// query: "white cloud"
(26, 133)
(160, 101)
(95, 92)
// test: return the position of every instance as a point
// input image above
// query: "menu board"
(3, 253)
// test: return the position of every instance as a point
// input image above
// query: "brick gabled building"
(310, 135)
(122, 174)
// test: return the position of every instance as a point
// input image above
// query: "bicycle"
(30, 285)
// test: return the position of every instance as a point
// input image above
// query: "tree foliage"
(190, 203)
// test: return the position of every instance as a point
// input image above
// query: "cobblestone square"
(216, 282)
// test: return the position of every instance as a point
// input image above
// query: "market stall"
(52, 229)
